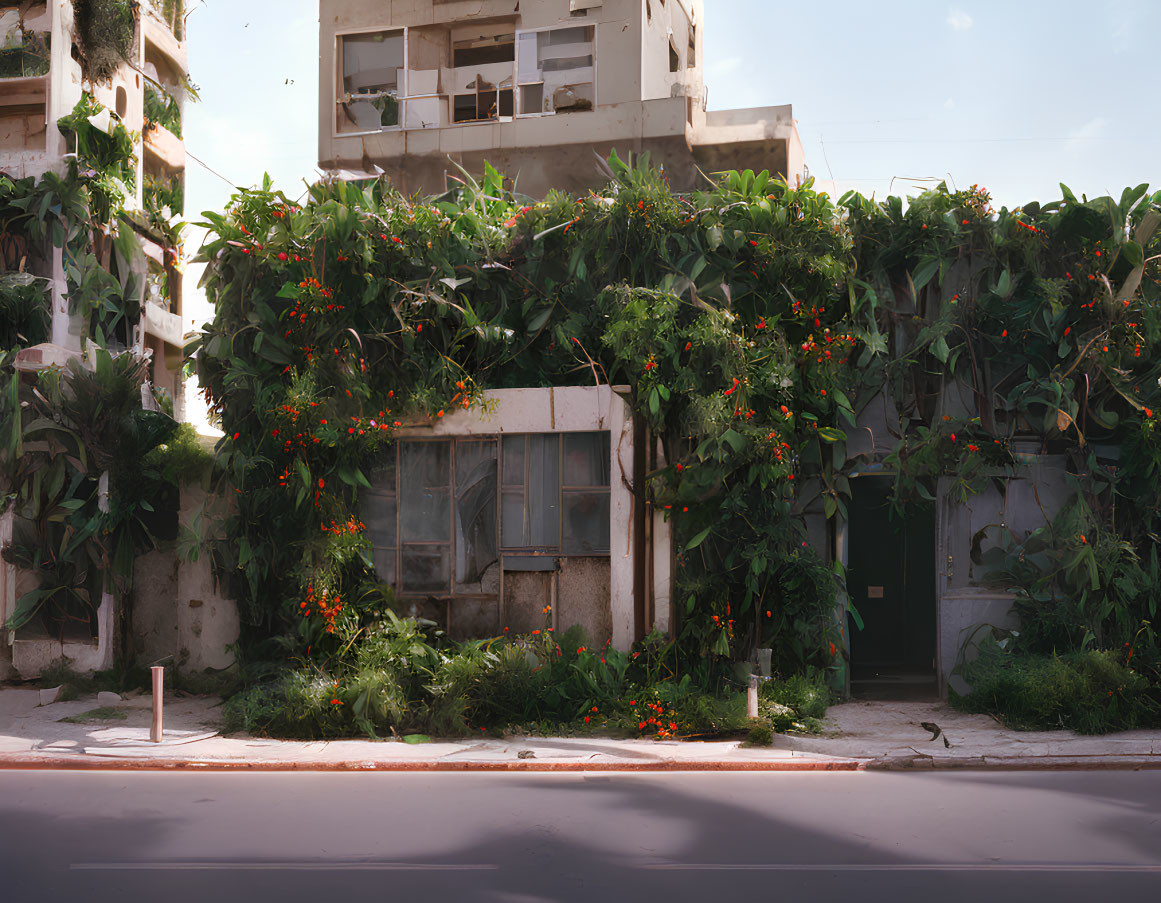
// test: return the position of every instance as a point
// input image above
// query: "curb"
(1013, 763)
(129, 763)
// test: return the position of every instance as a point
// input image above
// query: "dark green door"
(891, 579)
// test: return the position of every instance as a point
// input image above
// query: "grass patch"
(104, 713)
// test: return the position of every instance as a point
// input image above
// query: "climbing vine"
(752, 323)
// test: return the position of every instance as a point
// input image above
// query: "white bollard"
(158, 694)
(752, 696)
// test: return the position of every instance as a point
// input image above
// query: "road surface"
(983, 837)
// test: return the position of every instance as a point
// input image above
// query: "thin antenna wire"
(209, 168)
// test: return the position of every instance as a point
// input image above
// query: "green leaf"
(699, 539)
(1004, 284)
(1133, 253)
(922, 274)
(940, 350)
(736, 440)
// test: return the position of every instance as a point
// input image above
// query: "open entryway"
(891, 580)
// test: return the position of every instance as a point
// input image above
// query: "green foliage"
(394, 676)
(797, 703)
(81, 424)
(1092, 692)
(182, 458)
(25, 310)
(172, 12)
(108, 154)
(161, 108)
(1079, 582)
(761, 734)
(29, 58)
(751, 323)
(104, 31)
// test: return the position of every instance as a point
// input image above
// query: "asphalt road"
(983, 837)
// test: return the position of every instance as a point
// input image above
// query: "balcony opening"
(483, 51)
(486, 103)
(674, 59)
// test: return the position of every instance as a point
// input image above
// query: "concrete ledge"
(34, 762)
(1014, 763)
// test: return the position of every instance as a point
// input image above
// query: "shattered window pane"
(425, 492)
(475, 511)
(555, 70)
(372, 68)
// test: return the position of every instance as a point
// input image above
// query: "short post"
(752, 696)
(158, 694)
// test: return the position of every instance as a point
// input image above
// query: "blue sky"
(1016, 96)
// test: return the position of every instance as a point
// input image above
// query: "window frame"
(337, 80)
(545, 551)
(518, 98)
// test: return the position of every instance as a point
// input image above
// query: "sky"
(890, 97)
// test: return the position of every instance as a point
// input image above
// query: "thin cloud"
(959, 20)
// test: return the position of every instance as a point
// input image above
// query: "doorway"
(891, 580)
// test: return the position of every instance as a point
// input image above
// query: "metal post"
(158, 693)
(752, 696)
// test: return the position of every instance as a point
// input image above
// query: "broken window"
(475, 494)
(691, 52)
(486, 103)
(371, 72)
(674, 59)
(440, 512)
(555, 70)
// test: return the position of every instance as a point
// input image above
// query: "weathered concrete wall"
(583, 598)
(155, 634)
(207, 621)
(966, 602)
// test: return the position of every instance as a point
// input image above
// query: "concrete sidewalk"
(859, 735)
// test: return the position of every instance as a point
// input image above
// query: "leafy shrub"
(760, 734)
(797, 703)
(401, 676)
(1092, 692)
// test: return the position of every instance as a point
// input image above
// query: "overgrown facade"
(91, 196)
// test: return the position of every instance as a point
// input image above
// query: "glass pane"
(512, 526)
(372, 64)
(425, 497)
(514, 460)
(586, 523)
(378, 512)
(586, 459)
(544, 490)
(426, 569)
(475, 510)
(385, 564)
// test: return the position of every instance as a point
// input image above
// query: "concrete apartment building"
(41, 80)
(46, 85)
(535, 87)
